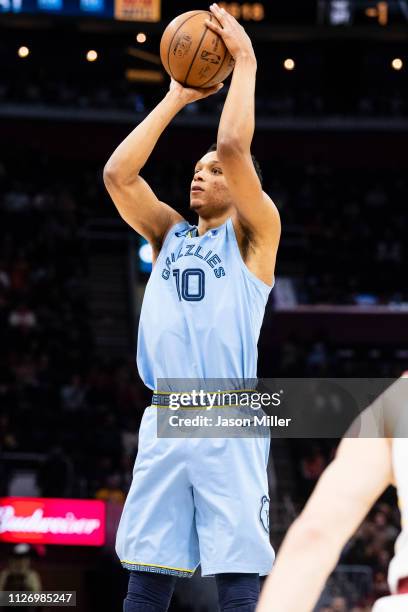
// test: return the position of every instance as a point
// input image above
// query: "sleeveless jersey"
(399, 565)
(202, 309)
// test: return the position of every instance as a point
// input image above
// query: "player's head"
(209, 195)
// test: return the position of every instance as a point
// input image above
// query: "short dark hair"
(254, 160)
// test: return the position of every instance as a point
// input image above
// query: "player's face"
(209, 195)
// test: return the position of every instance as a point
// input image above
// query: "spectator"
(18, 575)
(8, 439)
(112, 490)
(22, 318)
(312, 466)
(55, 478)
(73, 395)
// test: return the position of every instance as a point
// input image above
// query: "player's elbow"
(113, 175)
(308, 532)
(110, 174)
(229, 146)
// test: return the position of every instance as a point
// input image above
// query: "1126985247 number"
(29, 598)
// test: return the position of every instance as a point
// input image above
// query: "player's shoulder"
(271, 209)
(268, 228)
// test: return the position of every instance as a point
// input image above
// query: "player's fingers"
(213, 90)
(217, 87)
(213, 26)
(219, 13)
(208, 91)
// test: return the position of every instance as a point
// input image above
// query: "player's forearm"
(305, 560)
(237, 123)
(131, 155)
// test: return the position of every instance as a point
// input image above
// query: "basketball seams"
(197, 50)
(172, 38)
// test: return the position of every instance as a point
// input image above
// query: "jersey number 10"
(192, 285)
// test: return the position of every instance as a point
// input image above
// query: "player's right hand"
(233, 34)
(192, 94)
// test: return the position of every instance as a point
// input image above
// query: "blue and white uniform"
(198, 500)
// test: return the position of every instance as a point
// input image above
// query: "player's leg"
(238, 592)
(157, 534)
(230, 491)
(149, 592)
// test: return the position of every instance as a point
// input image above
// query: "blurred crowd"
(320, 357)
(346, 231)
(119, 94)
(58, 397)
(361, 577)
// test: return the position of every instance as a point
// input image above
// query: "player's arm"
(346, 491)
(134, 199)
(255, 209)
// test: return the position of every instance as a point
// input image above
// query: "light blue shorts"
(196, 500)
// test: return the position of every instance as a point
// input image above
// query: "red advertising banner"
(38, 520)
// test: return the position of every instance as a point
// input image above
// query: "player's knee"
(238, 592)
(149, 592)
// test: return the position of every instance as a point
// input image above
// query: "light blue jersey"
(202, 310)
(198, 500)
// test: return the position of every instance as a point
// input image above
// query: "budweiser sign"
(37, 520)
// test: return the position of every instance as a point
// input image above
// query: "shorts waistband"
(201, 399)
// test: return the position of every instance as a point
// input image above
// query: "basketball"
(192, 54)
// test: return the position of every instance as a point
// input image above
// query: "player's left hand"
(191, 94)
(233, 34)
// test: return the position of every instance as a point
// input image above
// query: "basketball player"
(361, 471)
(199, 500)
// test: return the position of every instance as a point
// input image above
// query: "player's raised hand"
(192, 94)
(233, 34)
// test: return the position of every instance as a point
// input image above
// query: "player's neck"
(212, 223)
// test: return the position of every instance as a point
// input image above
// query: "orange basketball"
(192, 54)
